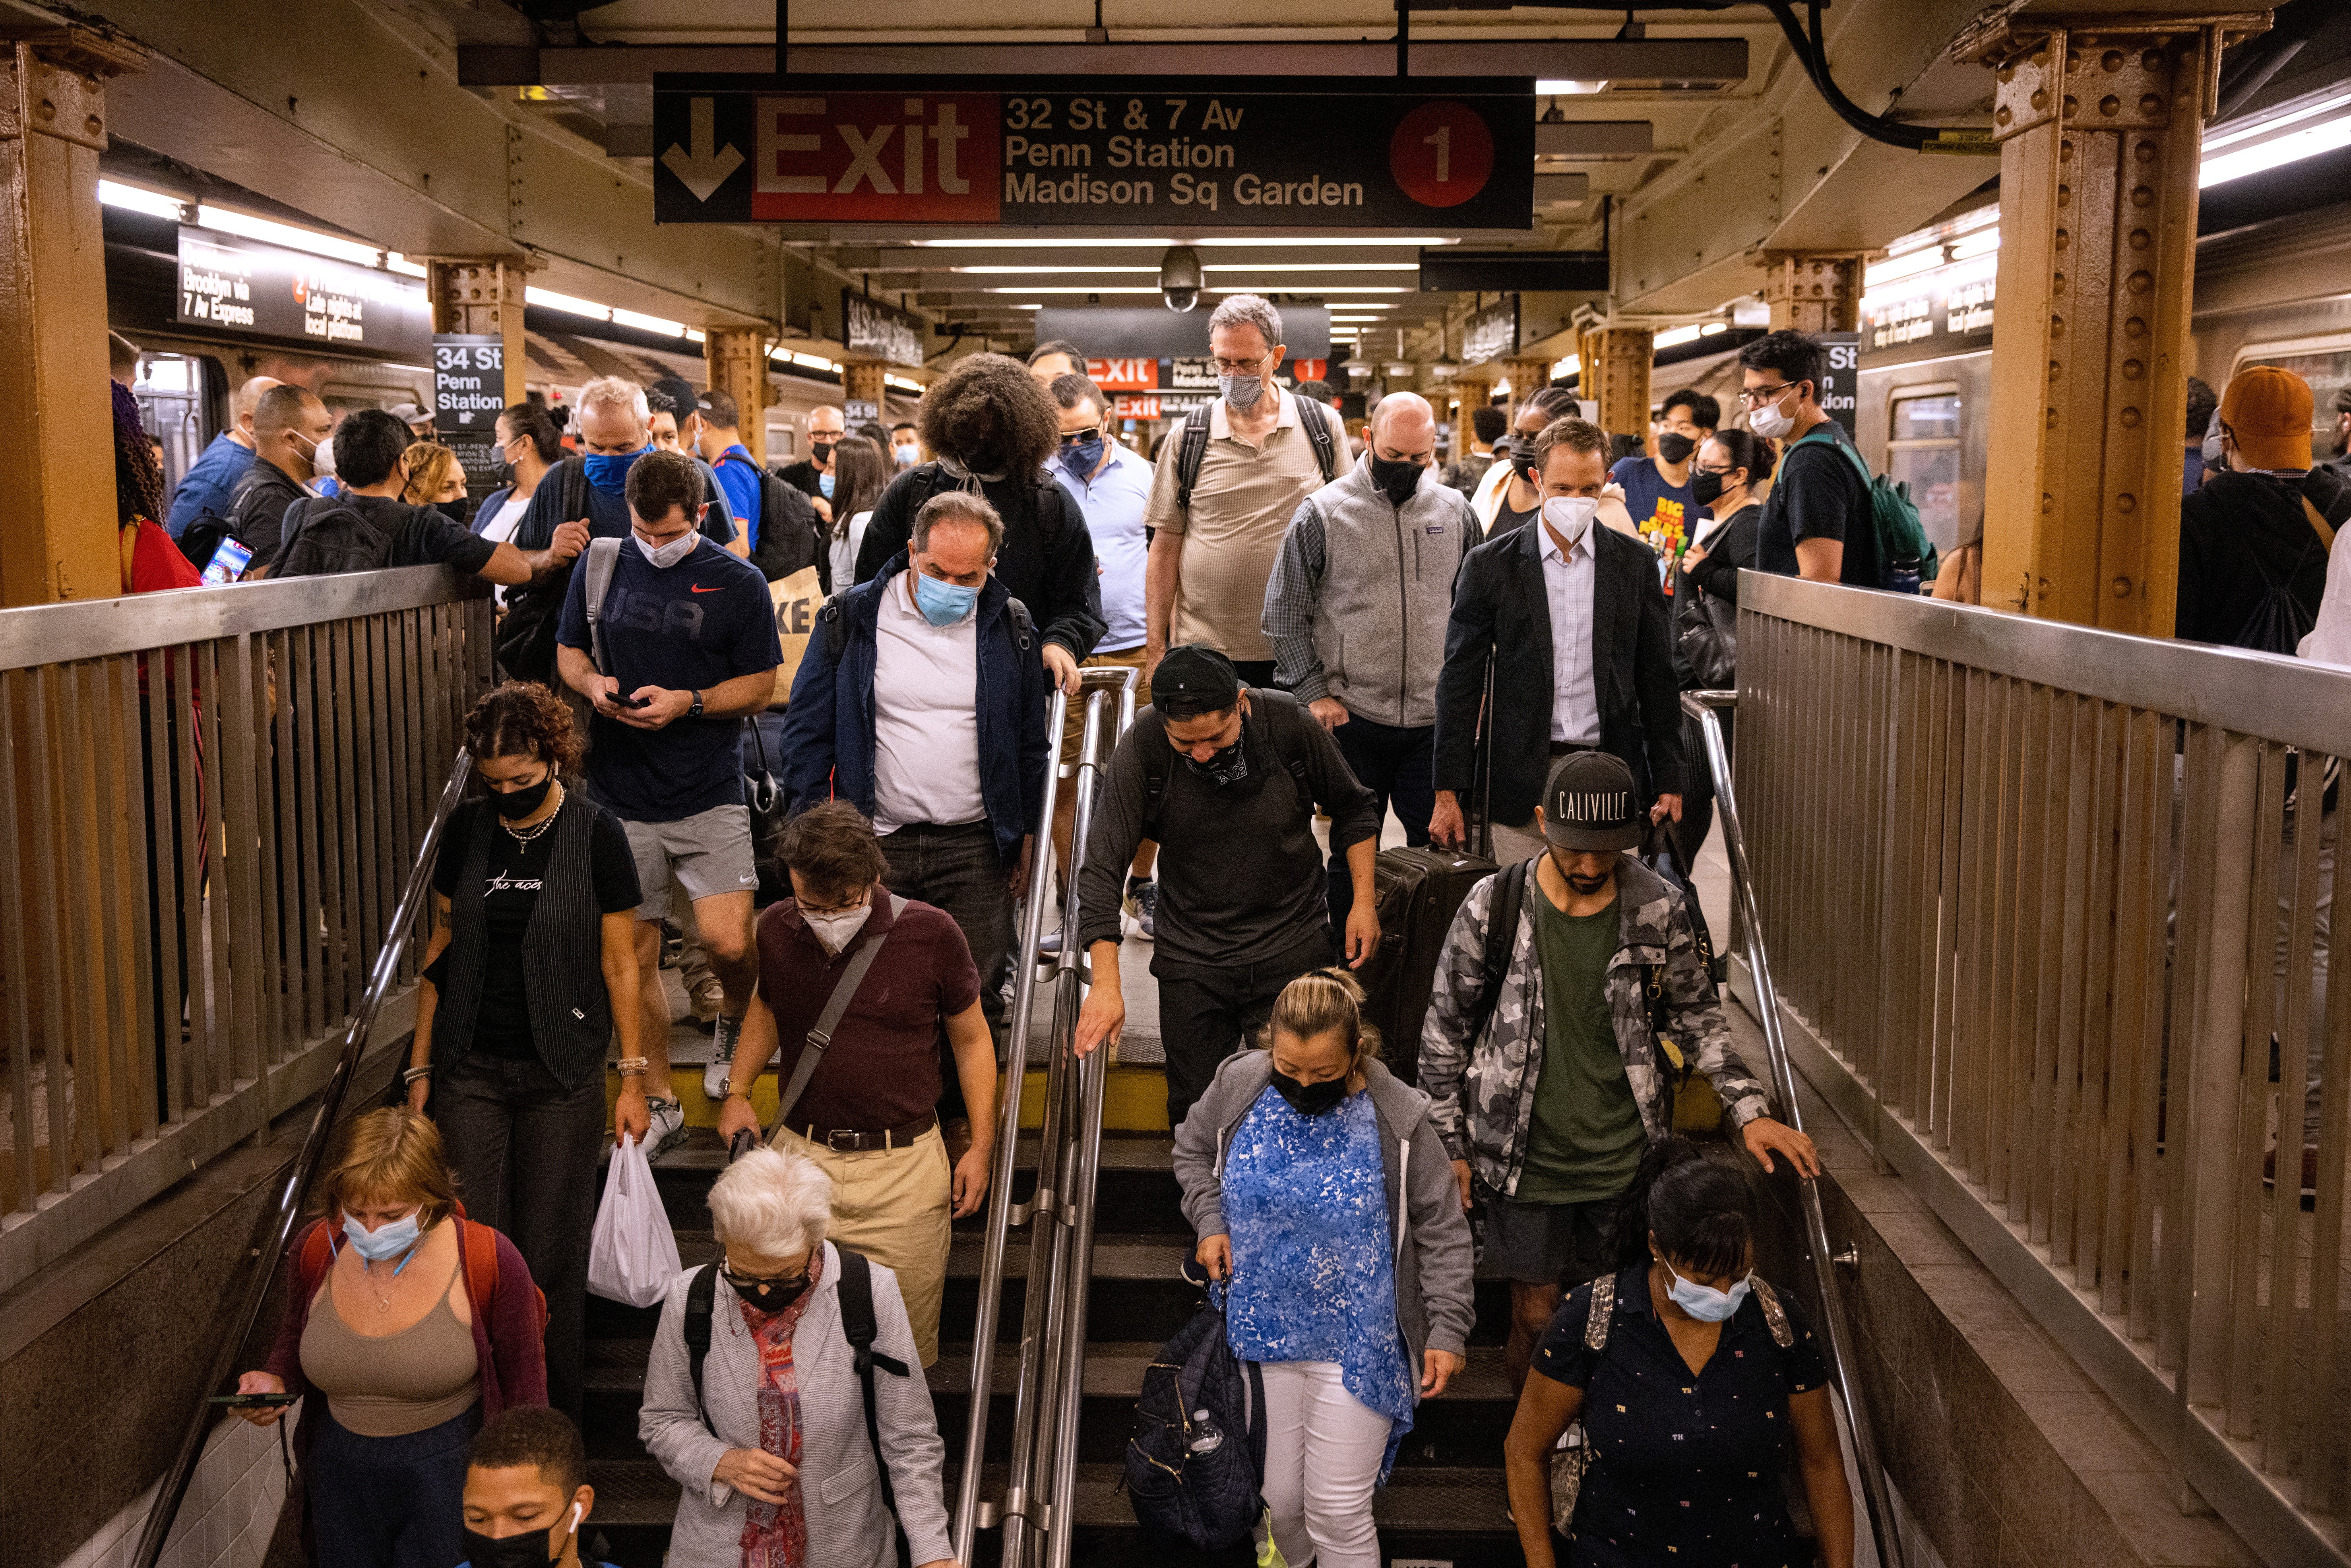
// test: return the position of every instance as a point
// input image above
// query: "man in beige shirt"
(1206, 580)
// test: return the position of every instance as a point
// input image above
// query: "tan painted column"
(861, 381)
(57, 440)
(736, 358)
(1813, 291)
(1616, 373)
(483, 295)
(2101, 134)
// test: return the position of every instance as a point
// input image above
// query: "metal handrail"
(1047, 1390)
(1883, 1528)
(276, 1230)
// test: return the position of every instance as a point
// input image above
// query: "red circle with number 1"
(1442, 155)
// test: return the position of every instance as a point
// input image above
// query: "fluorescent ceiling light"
(1314, 266)
(1711, 328)
(814, 362)
(287, 235)
(395, 262)
(2236, 133)
(1053, 271)
(1562, 88)
(1038, 242)
(644, 323)
(154, 204)
(1567, 366)
(2308, 142)
(902, 383)
(1881, 273)
(1077, 288)
(696, 335)
(565, 302)
(1365, 305)
(1676, 337)
(1983, 242)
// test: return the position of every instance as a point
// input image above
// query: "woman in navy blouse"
(1703, 1377)
(1321, 1193)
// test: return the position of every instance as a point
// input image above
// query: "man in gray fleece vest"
(1356, 609)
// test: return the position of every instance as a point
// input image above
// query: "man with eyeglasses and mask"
(1226, 486)
(813, 474)
(1816, 522)
(1658, 492)
(1356, 611)
(289, 426)
(1226, 780)
(1547, 1090)
(1569, 616)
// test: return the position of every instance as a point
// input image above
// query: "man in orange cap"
(2252, 565)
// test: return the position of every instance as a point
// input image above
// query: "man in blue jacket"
(921, 702)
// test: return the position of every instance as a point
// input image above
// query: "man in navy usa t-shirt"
(689, 634)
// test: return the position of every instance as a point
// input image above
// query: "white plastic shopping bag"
(633, 1254)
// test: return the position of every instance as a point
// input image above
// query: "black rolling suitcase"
(1417, 892)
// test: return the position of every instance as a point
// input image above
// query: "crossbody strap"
(826, 1021)
(603, 560)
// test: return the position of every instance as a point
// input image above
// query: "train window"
(2327, 367)
(1924, 451)
(171, 394)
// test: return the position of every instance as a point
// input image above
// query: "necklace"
(524, 835)
(367, 1273)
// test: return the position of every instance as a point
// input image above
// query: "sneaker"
(1140, 913)
(725, 1033)
(1050, 947)
(668, 1126)
(704, 997)
(673, 946)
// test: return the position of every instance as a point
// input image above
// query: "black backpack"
(328, 536)
(857, 1326)
(1197, 1460)
(525, 640)
(200, 539)
(790, 536)
(1285, 727)
(1193, 446)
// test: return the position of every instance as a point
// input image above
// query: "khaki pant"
(1522, 843)
(892, 1205)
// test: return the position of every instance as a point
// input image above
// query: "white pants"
(1322, 1453)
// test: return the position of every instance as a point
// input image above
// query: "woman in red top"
(150, 562)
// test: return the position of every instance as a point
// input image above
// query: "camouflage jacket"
(1496, 1072)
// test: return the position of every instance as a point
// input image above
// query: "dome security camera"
(1179, 277)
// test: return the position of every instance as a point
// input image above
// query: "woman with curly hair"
(991, 428)
(431, 476)
(531, 967)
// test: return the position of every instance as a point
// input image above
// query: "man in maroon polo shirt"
(867, 1115)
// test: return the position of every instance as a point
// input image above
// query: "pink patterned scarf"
(775, 1535)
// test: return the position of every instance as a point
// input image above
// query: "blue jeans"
(1398, 766)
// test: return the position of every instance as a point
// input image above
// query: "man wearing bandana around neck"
(1227, 778)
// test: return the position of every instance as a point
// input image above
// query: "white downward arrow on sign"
(702, 168)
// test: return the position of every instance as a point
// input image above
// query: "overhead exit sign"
(1196, 154)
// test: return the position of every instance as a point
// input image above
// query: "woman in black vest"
(532, 967)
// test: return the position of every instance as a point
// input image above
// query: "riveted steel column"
(1813, 291)
(2100, 132)
(56, 428)
(736, 359)
(861, 381)
(1616, 373)
(484, 296)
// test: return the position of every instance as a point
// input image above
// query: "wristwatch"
(695, 711)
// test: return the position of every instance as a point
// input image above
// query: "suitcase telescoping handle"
(1485, 834)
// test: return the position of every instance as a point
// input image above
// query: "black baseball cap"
(1588, 803)
(1195, 678)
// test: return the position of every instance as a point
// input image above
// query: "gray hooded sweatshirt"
(1427, 1232)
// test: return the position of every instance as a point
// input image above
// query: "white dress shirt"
(1567, 591)
(925, 716)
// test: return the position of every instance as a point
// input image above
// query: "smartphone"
(619, 701)
(253, 1401)
(741, 1144)
(228, 562)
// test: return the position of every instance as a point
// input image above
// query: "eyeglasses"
(1756, 397)
(1237, 367)
(1718, 473)
(1080, 437)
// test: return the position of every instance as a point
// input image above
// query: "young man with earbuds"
(1572, 621)
(527, 1492)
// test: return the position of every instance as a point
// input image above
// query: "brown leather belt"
(850, 1140)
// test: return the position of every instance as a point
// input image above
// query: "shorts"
(1073, 728)
(708, 852)
(1562, 1244)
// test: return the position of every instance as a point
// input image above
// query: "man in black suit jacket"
(1574, 619)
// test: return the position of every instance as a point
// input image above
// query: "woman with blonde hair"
(412, 1326)
(431, 476)
(1321, 1192)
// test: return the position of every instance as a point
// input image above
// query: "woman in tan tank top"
(381, 1334)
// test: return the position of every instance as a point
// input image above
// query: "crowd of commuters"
(1486, 650)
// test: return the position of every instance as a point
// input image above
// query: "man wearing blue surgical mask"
(921, 701)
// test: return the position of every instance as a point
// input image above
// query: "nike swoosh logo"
(697, 587)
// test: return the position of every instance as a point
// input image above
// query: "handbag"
(765, 798)
(1708, 647)
(1574, 1455)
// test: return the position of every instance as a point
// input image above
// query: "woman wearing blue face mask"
(1701, 1376)
(406, 1327)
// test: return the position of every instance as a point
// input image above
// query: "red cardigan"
(507, 1339)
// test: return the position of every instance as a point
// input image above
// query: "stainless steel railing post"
(1701, 706)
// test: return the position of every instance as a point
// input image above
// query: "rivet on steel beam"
(2073, 106)
(2148, 104)
(2112, 59)
(2130, 419)
(2122, 588)
(2135, 328)
(2125, 501)
(2139, 282)
(2133, 370)
(2142, 195)
(1849, 1260)
(2110, 106)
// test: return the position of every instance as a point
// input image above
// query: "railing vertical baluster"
(45, 898)
(2324, 1451)
(2296, 956)
(17, 946)
(2255, 1098)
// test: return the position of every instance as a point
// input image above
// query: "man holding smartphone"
(689, 637)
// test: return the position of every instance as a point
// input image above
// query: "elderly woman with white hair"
(767, 1430)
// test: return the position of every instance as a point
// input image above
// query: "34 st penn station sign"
(1359, 154)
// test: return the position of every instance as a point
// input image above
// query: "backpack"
(525, 639)
(1193, 446)
(925, 481)
(1284, 727)
(857, 1326)
(1893, 521)
(315, 1253)
(200, 539)
(326, 535)
(790, 535)
(1197, 1460)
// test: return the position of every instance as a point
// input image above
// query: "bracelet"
(634, 1066)
(413, 1074)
